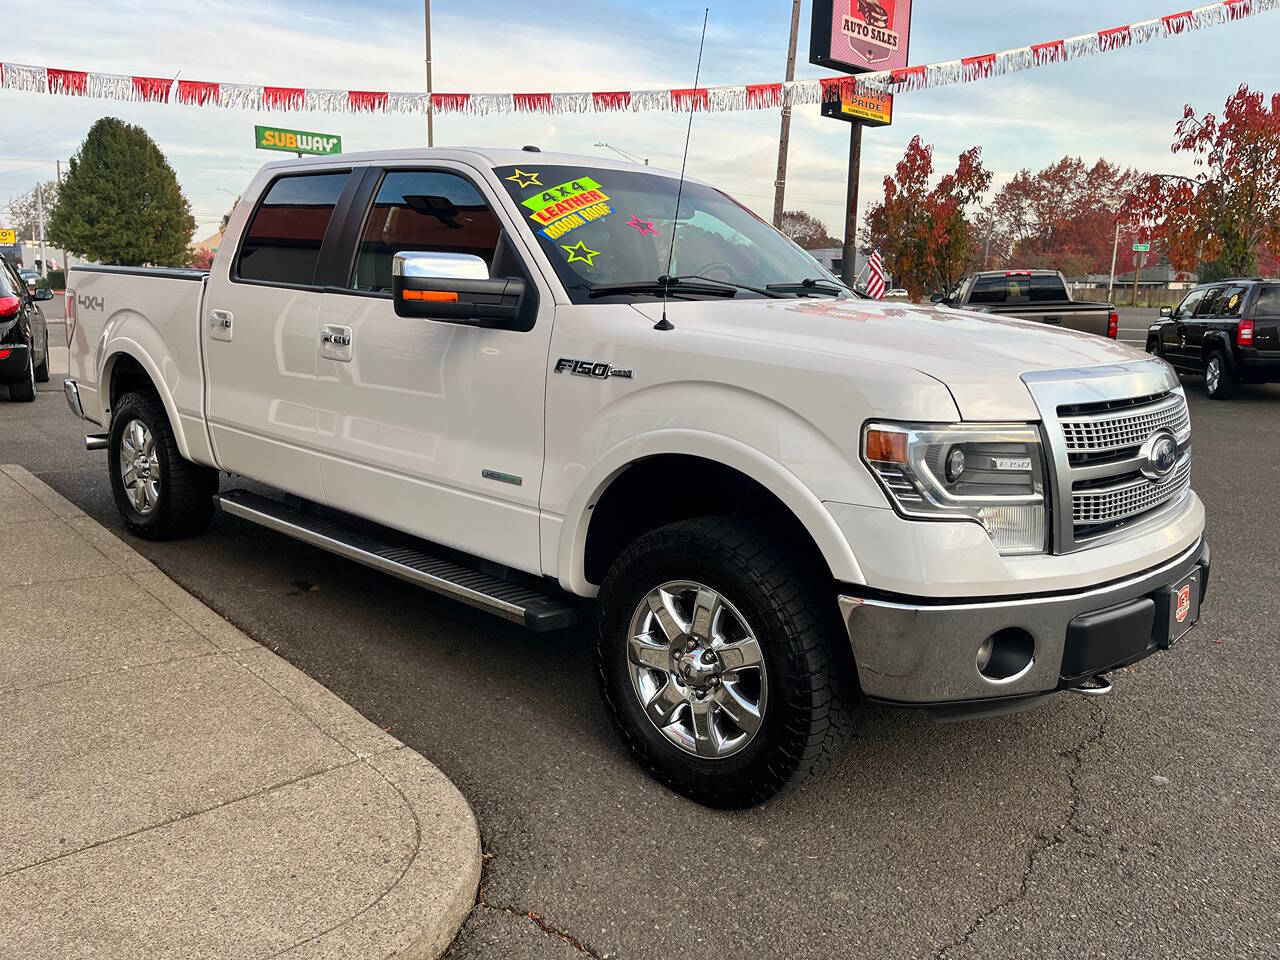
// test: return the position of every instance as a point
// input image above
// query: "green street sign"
(1141, 247)
(297, 141)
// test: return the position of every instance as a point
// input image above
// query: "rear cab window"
(1046, 288)
(283, 239)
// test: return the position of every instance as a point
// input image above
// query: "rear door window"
(1231, 301)
(282, 242)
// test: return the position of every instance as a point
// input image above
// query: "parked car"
(1039, 295)
(24, 338)
(1228, 331)
(478, 371)
(31, 278)
(897, 292)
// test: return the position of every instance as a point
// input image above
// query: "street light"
(622, 153)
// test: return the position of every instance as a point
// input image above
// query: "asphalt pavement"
(1139, 825)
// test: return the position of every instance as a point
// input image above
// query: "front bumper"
(922, 653)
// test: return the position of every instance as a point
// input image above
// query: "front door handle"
(335, 342)
(220, 324)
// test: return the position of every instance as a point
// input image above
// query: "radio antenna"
(664, 323)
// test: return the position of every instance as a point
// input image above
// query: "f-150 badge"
(591, 368)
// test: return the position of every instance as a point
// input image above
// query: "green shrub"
(56, 279)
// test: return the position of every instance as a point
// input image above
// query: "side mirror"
(454, 288)
(1166, 311)
(938, 298)
(43, 293)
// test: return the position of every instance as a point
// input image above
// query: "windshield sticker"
(557, 202)
(524, 180)
(1231, 304)
(644, 226)
(579, 253)
(591, 214)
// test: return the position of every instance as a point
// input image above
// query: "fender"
(776, 478)
(122, 347)
(1219, 338)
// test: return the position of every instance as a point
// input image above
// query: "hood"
(979, 357)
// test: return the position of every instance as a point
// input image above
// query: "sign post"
(1139, 261)
(858, 36)
(297, 141)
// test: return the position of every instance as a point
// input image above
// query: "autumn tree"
(923, 228)
(807, 230)
(120, 201)
(24, 211)
(1225, 219)
(1061, 218)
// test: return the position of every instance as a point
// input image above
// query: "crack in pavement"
(533, 917)
(1043, 843)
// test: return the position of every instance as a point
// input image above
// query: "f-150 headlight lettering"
(992, 474)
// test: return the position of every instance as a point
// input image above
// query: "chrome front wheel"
(140, 467)
(697, 668)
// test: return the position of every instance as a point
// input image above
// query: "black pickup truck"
(1039, 295)
(1229, 331)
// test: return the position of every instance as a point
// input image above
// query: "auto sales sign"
(857, 36)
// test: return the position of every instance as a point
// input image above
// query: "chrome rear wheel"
(140, 467)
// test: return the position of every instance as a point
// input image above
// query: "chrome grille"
(1096, 423)
(1102, 506)
(1109, 432)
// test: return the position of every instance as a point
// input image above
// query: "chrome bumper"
(926, 654)
(72, 393)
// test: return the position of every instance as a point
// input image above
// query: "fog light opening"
(1006, 656)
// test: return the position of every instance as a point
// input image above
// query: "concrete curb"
(394, 815)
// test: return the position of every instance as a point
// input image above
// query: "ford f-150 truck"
(1039, 295)
(569, 390)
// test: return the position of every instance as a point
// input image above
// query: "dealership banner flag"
(60, 81)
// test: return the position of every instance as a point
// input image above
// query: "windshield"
(600, 227)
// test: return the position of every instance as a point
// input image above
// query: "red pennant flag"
(283, 98)
(1052, 52)
(612, 100)
(152, 89)
(367, 101)
(450, 102)
(977, 68)
(531, 102)
(198, 92)
(762, 96)
(689, 99)
(71, 82)
(1114, 38)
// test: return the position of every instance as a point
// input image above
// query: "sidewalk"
(169, 788)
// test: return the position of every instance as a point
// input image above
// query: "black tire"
(42, 371)
(789, 603)
(24, 391)
(1154, 348)
(1221, 386)
(185, 503)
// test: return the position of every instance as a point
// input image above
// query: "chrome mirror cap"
(453, 266)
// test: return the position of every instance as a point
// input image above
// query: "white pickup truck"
(484, 371)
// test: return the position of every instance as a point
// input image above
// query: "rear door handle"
(220, 324)
(1052, 319)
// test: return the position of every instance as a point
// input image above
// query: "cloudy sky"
(1121, 106)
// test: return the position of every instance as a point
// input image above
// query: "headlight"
(992, 474)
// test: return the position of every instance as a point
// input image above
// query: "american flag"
(875, 280)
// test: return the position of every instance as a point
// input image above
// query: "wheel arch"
(734, 478)
(128, 367)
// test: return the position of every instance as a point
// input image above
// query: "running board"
(511, 601)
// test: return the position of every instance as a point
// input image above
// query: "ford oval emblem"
(1160, 454)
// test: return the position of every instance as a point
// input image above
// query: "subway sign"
(297, 141)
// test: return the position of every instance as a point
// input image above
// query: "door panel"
(261, 322)
(432, 427)
(1173, 332)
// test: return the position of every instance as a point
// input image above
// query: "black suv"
(1229, 331)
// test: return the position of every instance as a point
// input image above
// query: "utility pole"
(430, 113)
(780, 183)
(849, 264)
(1137, 272)
(1115, 251)
(44, 261)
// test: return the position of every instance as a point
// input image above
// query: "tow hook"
(1098, 686)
